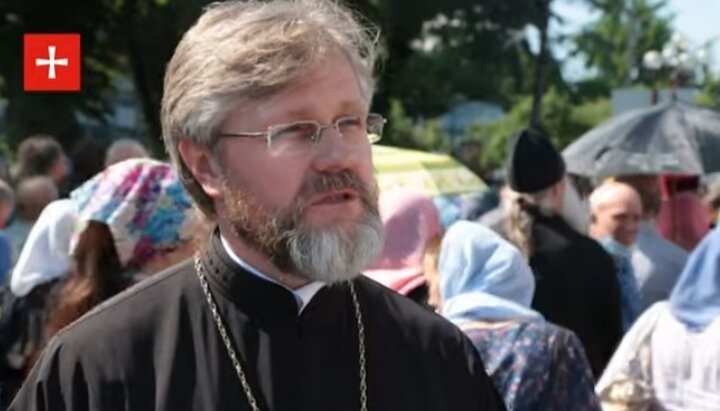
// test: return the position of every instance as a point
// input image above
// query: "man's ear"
(203, 165)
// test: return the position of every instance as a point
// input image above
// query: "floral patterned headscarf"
(143, 203)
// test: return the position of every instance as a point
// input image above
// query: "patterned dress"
(536, 366)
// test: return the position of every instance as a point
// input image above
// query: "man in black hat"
(575, 278)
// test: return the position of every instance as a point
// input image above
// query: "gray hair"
(244, 51)
(123, 149)
(518, 225)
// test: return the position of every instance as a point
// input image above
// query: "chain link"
(234, 357)
(225, 337)
(361, 348)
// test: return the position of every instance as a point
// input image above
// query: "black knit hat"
(533, 162)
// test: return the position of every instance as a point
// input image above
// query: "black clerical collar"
(303, 295)
(256, 297)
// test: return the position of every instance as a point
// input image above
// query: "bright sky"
(697, 20)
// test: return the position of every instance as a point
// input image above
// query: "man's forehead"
(624, 205)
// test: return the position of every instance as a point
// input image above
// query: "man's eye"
(298, 131)
(350, 123)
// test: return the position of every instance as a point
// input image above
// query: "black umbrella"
(672, 138)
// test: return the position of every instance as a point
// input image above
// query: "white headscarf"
(45, 255)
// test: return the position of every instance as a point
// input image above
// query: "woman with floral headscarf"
(486, 288)
(134, 219)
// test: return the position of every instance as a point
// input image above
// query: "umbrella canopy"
(672, 138)
(433, 174)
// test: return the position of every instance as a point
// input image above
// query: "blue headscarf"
(483, 277)
(695, 300)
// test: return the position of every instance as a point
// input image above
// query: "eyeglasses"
(298, 138)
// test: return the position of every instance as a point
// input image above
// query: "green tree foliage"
(55, 113)
(399, 131)
(435, 53)
(564, 119)
(605, 43)
(474, 51)
(402, 131)
(148, 31)
(402, 22)
(430, 136)
(710, 95)
(133, 38)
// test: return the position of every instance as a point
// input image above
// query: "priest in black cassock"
(265, 115)
(576, 285)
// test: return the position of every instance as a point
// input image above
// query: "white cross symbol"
(51, 62)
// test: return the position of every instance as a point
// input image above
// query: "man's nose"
(332, 153)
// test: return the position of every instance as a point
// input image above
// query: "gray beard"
(329, 255)
(575, 211)
(333, 256)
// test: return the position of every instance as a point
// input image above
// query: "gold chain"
(234, 357)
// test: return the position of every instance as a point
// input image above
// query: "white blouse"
(685, 365)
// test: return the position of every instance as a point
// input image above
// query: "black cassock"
(576, 286)
(156, 347)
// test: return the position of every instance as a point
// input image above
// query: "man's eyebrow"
(309, 112)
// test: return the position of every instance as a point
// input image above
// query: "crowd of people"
(63, 256)
(260, 268)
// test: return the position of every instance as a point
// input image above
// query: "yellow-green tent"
(434, 174)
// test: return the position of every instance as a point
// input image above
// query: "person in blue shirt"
(616, 213)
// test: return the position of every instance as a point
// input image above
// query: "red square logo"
(51, 62)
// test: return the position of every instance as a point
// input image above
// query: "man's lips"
(334, 197)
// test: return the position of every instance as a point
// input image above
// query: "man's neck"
(259, 261)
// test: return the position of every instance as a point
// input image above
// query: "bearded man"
(575, 278)
(266, 116)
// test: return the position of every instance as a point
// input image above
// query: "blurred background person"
(7, 203)
(712, 198)
(684, 218)
(449, 208)
(412, 229)
(33, 194)
(575, 282)
(656, 261)
(86, 160)
(42, 155)
(5, 174)
(124, 149)
(486, 288)
(670, 358)
(33, 281)
(616, 211)
(135, 219)
(496, 219)
(128, 222)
